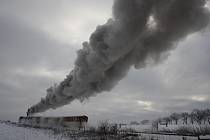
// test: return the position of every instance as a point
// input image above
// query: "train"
(68, 122)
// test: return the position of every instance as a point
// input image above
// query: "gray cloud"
(30, 61)
(63, 20)
(18, 38)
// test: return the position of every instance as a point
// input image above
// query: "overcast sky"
(38, 44)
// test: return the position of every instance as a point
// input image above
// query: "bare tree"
(192, 116)
(208, 112)
(103, 127)
(206, 115)
(199, 115)
(159, 120)
(196, 115)
(167, 120)
(175, 117)
(185, 116)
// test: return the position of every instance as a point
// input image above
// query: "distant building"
(121, 125)
(134, 123)
(145, 122)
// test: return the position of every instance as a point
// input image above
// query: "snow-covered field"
(170, 128)
(170, 132)
(167, 137)
(12, 132)
(9, 131)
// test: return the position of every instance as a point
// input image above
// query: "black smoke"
(140, 32)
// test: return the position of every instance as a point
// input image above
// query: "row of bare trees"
(196, 116)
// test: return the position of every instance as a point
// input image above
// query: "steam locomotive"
(70, 122)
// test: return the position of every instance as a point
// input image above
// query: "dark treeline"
(196, 116)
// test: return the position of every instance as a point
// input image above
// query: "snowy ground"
(12, 132)
(195, 129)
(170, 132)
(9, 131)
(167, 137)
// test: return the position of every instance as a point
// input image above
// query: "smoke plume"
(140, 31)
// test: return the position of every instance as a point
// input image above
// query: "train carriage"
(70, 122)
